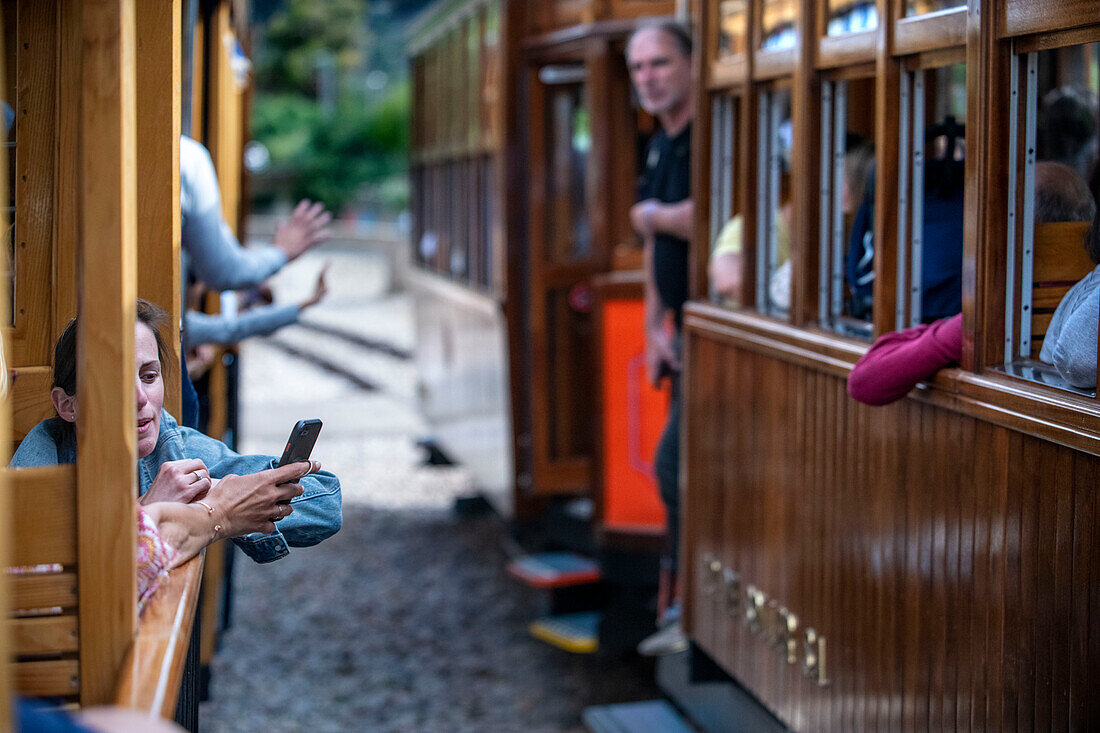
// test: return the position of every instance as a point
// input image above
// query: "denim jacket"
(317, 512)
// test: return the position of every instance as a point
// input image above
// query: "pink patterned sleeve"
(154, 556)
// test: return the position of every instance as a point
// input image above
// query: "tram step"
(572, 632)
(650, 716)
(555, 569)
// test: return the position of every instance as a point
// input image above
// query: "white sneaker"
(669, 640)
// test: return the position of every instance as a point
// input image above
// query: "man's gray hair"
(671, 28)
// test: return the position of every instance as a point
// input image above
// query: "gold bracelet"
(210, 511)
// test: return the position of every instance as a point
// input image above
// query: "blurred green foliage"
(303, 30)
(360, 141)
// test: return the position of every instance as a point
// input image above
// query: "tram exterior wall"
(462, 373)
(949, 562)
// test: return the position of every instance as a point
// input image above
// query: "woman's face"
(150, 389)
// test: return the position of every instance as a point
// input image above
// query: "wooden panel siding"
(948, 561)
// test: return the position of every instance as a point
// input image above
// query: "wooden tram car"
(528, 282)
(928, 564)
(99, 93)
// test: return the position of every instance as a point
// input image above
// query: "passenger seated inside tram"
(941, 225)
(725, 262)
(1070, 343)
(897, 361)
(1066, 128)
(859, 202)
(182, 466)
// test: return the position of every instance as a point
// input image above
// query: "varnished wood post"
(158, 132)
(805, 173)
(107, 438)
(5, 441)
(985, 225)
(887, 123)
(699, 252)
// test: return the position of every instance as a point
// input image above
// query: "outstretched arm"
(898, 360)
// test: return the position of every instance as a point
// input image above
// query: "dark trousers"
(667, 464)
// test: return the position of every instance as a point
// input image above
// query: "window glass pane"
(1051, 309)
(923, 7)
(846, 281)
(473, 78)
(568, 143)
(490, 70)
(733, 16)
(851, 16)
(931, 195)
(464, 214)
(778, 24)
(726, 222)
(773, 234)
(488, 215)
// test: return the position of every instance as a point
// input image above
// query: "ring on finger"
(198, 476)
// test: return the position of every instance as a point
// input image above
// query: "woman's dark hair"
(64, 354)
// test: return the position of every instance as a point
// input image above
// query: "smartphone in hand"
(300, 443)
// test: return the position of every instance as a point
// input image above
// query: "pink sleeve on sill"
(898, 360)
(154, 556)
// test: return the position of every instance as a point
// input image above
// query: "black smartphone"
(300, 443)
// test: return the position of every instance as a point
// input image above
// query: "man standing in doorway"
(658, 57)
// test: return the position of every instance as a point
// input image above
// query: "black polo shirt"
(666, 176)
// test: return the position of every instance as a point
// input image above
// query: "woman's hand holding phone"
(253, 503)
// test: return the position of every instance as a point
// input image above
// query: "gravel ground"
(406, 620)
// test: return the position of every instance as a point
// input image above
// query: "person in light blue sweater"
(1070, 343)
(211, 251)
(225, 329)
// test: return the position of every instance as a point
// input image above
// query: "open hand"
(304, 230)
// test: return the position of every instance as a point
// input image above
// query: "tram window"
(490, 71)
(923, 7)
(931, 188)
(850, 16)
(846, 276)
(726, 221)
(488, 215)
(733, 18)
(472, 30)
(778, 30)
(458, 252)
(1050, 332)
(773, 237)
(441, 217)
(567, 145)
(419, 194)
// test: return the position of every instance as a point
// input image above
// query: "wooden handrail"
(153, 668)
